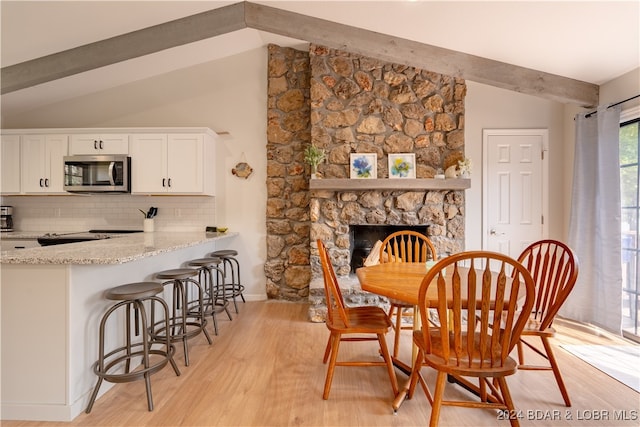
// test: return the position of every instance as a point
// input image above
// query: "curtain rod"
(612, 105)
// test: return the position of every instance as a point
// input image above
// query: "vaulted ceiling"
(559, 50)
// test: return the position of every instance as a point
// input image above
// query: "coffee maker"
(6, 219)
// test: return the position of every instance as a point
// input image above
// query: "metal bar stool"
(109, 366)
(215, 298)
(183, 323)
(233, 287)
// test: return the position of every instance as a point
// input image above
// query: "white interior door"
(515, 188)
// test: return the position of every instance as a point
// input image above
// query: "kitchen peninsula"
(52, 302)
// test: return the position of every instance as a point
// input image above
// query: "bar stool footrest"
(136, 374)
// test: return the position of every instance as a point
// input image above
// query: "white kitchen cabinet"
(97, 144)
(10, 164)
(174, 163)
(43, 163)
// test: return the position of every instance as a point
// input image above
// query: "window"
(629, 187)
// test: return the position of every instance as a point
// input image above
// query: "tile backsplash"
(110, 211)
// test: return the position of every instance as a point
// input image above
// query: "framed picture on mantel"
(363, 165)
(402, 165)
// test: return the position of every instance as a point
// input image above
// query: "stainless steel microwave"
(97, 174)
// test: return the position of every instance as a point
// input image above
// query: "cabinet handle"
(41, 182)
(164, 182)
(95, 144)
(169, 181)
(46, 182)
(101, 144)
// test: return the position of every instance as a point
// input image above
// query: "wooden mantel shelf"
(389, 184)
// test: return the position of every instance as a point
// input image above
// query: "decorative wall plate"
(242, 170)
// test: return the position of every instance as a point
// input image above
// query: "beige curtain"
(594, 228)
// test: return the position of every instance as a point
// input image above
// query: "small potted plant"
(464, 167)
(314, 156)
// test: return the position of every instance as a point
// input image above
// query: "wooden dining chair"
(404, 246)
(554, 269)
(365, 323)
(462, 288)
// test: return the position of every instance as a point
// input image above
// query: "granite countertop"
(20, 235)
(117, 250)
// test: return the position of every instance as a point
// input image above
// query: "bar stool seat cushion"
(203, 262)
(177, 273)
(134, 291)
(225, 252)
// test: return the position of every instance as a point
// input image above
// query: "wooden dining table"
(402, 280)
(399, 280)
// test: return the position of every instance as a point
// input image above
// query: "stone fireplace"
(333, 212)
(347, 103)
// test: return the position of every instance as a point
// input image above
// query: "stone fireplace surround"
(333, 212)
(346, 103)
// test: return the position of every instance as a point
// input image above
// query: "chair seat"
(461, 366)
(362, 320)
(400, 303)
(532, 327)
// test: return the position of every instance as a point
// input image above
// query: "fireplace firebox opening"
(362, 238)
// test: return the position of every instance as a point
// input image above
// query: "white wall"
(487, 107)
(621, 88)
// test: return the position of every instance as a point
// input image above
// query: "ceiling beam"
(314, 30)
(420, 55)
(123, 47)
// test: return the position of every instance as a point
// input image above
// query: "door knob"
(493, 232)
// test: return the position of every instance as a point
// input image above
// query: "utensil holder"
(148, 225)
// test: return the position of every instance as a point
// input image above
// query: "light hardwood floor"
(265, 369)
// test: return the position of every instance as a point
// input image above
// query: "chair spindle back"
(477, 292)
(407, 246)
(333, 295)
(554, 268)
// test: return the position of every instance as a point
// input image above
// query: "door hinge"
(542, 219)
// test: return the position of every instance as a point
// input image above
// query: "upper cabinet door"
(57, 148)
(90, 144)
(149, 163)
(185, 163)
(43, 163)
(34, 155)
(172, 164)
(10, 164)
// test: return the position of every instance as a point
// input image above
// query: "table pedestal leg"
(402, 395)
